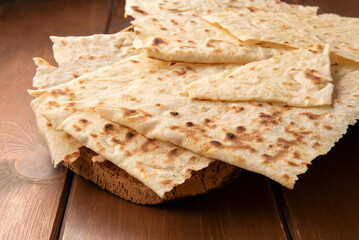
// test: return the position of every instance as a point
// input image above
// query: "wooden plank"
(245, 209)
(32, 192)
(325, 202)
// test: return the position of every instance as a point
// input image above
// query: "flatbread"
(75, 56)
(173, 30)
(78, 55)
(299, 78)
(187, 38)
(265, 5)
(70, 108)
(271, 139)
(293, 30)
(140, 8)
(61, 145)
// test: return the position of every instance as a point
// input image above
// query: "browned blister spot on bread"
(235, 109)
(128, 97)
(157, 41)
(67, 136)
(193, 159)
(148, 146)
(70, 106)
(53, 104)
(117, 141)
(191, 130)
(139, 10)
(311, 75)
(328, 127)
(108, 127)
(241, 139)
(210, 43)
(311, 116)
(316, 145)
(216, 143)
(183, 71)
(274, 118)
(130, 135)
(76, 128)
(292, 164)
(166, 182)
(296, 155)
(286, 177)
(315, 48)
(173, 154)
(54, 93)
(283, 146)
(74, 155)
(134, 114)
(94, 135)
(173, 113)
(139, 165)
(83, 121)
(74, 75)
(209, 123)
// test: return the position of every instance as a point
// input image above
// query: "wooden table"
(39, 202)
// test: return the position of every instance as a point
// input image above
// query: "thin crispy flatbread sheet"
(78, 55)
(271, 139)
(140, 8)
(70, 107)
(299, 78)
(187, 38)
(61, 145)
(75, 56)
(265, 5)
(173, 30)
(293, 30)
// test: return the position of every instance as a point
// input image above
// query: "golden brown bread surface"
(117, 181)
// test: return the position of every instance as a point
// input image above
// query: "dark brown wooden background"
(39, 202)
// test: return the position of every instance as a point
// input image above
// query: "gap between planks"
(56, 232)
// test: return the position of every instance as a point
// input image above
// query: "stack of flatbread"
(195, 92)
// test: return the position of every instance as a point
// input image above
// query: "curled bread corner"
(319, 48)
(326, 49)
(43, 71)
(41, 62)
(54, 39)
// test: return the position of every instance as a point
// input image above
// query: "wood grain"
(243, 210)
(32, 192)
(325, 201)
